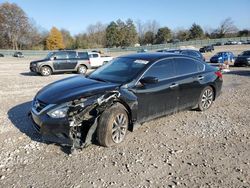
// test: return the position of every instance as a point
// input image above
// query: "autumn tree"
(55, 40)
(163, 35)
(14, 24)
(196, 32)
(68, 40)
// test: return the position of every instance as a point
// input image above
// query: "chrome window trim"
(43, 110)
(172, 76)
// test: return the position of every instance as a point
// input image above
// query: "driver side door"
(160, 98)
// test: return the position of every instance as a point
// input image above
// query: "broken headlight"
(59, 112)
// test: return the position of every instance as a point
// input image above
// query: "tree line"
(18, 31)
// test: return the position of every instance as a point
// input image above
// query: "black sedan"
(121, 95)
(243, 59)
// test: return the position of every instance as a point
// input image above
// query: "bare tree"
(226, 27)
(14, 23)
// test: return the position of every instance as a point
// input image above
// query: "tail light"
(219, 74)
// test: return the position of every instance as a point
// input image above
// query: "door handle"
(173, 85)
(200, 77)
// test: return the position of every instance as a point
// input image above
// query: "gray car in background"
(61, 61)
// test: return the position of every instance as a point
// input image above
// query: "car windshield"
(50, 54)
(119, 70)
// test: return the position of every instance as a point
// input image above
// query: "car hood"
(73, 88)
(38, 61)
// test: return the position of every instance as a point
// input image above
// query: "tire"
(206, 98)
(82, 69)
(46, 71)
(112, 126)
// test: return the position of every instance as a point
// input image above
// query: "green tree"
(68, 40)
(112, 35)
(163, 35)
(131, 36)
(196, 32)
(54, 40)
(182, 35)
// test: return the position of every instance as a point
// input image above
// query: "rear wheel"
(46, 71)
(113, 126)
(82, 69)
(206, 98)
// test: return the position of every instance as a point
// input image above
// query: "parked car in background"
(224, 56)
(1, 55)
(18, 54)
(189, 52)
(218, 44)
(205, 49)
(243, 59)
(62, 61)
(123, 93)
(97, 60)
(142, 50)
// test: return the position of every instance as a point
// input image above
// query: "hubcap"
(207, 98)
(82, 70)
(119, 128)
(46, 71)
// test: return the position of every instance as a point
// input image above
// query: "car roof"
(154, 56)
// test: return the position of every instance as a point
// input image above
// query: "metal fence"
(195, 43)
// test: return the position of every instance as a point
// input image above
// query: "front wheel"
(113, 126)
(206, 98)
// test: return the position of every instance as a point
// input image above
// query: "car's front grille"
(39, 105)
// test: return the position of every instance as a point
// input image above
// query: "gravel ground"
(187, 149)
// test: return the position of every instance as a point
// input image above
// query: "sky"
(76, 15)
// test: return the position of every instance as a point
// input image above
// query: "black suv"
(205, 49)
(62, 61)
(243, 59)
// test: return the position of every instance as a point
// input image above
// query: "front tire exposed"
(206, 98)
(46, 71)
(112, 126)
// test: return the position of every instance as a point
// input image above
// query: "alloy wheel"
(119, 128)
(207, 98)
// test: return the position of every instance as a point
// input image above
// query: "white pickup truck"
(96, 60)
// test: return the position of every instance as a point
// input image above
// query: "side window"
(162, 70)
(95, 55)
(185, 66)
(72, 55)
(61, 55)
(83, 55)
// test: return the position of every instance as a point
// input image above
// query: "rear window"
(246, 53)
(186, 66)
(83, 55)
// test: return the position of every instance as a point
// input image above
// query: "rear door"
(60, 60)
(160, 98)
(190, 77)
(72, 60)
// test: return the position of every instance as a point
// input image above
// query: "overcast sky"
(76, 15)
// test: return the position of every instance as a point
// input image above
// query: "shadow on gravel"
(239, 72)
(18, 115)
(29, 74)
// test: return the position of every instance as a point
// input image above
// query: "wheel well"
(127, 108)
(47, 66)
(83, 65)
(213, 91)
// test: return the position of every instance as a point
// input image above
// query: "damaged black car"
(121, 95)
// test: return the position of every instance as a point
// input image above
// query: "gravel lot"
(187, 149)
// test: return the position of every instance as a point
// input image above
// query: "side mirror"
(149, 80)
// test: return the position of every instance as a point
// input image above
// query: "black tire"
(46, 71)
(206, 98)
(112, 126)
(82, 69)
